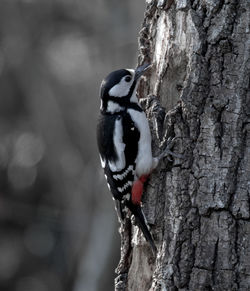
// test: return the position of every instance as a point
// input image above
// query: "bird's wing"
(118, 145)
(118, 139)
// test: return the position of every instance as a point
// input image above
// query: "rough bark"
(198, 206)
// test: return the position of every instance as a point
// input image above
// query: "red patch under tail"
(137, 189)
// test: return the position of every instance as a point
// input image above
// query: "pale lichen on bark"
(198, 207)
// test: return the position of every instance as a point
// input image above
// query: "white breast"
(144, 158)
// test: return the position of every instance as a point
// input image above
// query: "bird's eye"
(128, 79)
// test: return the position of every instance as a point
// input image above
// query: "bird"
(124, 143)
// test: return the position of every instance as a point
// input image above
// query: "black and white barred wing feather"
(118, 145)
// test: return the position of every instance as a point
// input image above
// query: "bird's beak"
(139, 71)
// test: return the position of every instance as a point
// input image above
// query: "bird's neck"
(116, 106)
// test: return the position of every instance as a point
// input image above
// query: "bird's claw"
(167, 153)
(170, 142)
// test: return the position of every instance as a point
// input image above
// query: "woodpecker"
(124, 142)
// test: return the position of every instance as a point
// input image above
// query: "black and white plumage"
(124, 142)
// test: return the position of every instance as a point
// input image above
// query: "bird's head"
(119, 88)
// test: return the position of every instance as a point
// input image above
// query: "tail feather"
(141, 222)
(119, 210)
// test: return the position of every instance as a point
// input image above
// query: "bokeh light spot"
(39, 240)
(68, 58)
(29, 150)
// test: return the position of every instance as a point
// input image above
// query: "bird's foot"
(168, 153)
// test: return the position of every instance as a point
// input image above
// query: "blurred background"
(59, 230)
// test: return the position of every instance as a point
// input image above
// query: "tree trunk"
(198, 206)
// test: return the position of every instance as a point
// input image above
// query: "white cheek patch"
(122, 88)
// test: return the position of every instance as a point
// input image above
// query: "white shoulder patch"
(119, 164)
